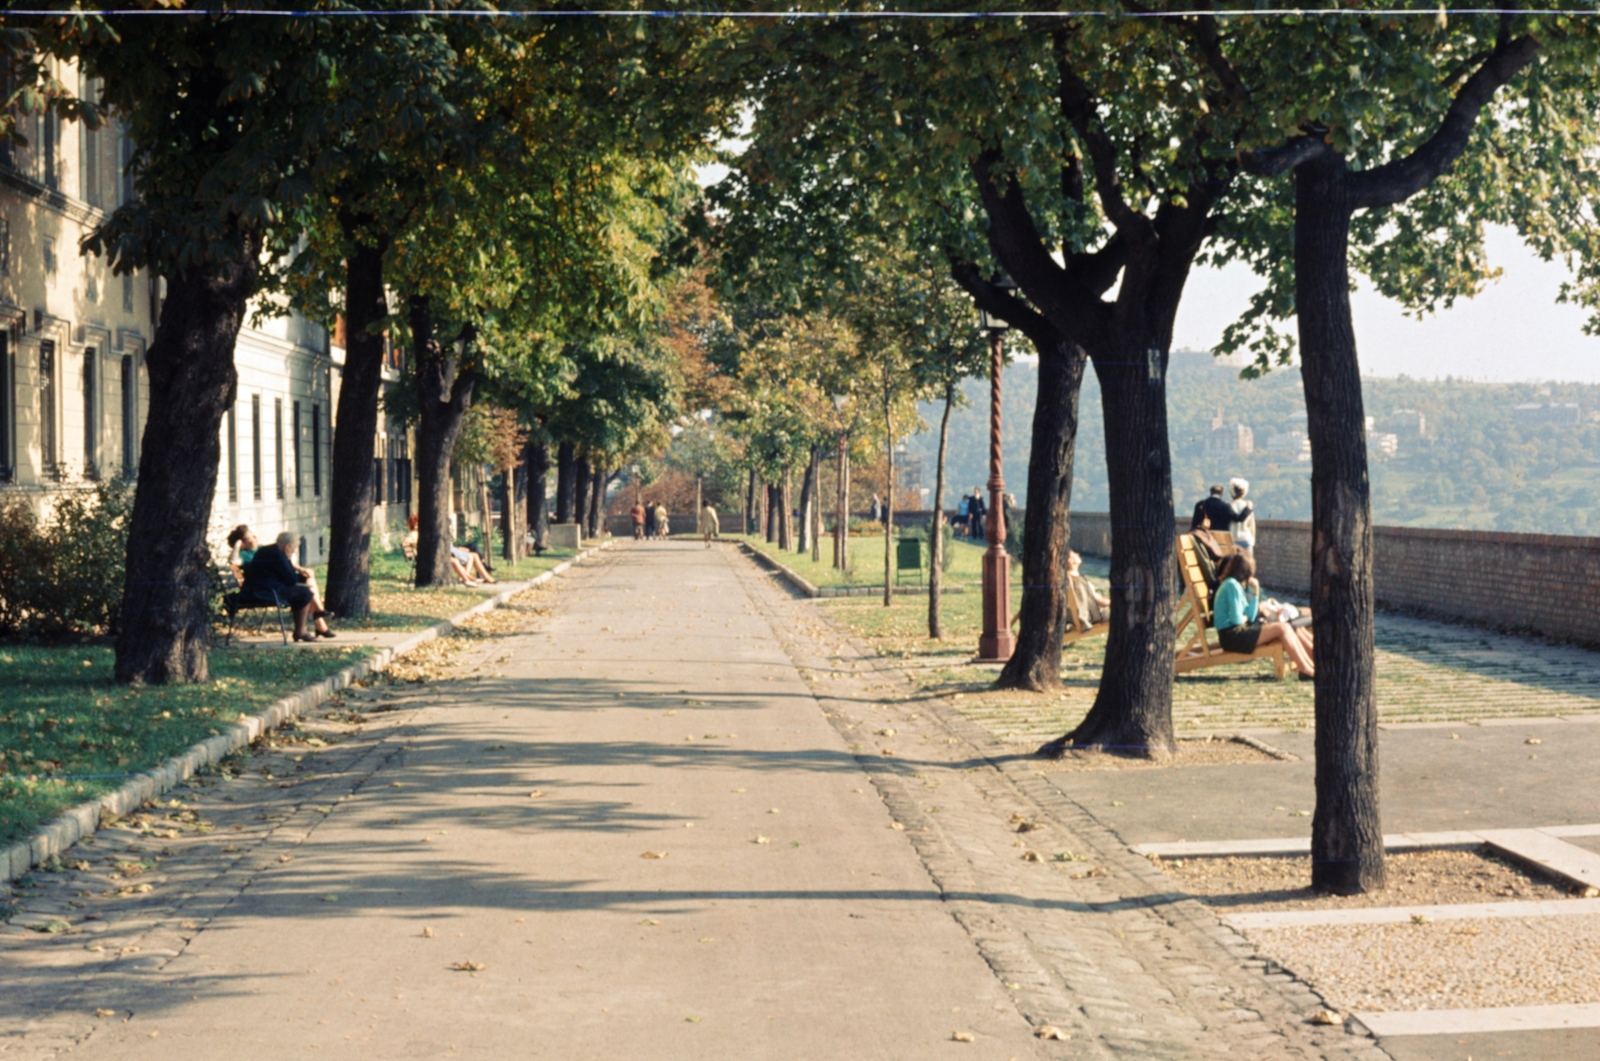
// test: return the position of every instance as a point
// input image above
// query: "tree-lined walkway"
(674, 819)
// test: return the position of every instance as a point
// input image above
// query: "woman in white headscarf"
(1244, 518)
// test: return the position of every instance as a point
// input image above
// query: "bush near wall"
(63, 576)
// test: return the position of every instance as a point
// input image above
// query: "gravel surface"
(1415, 878)
(1444, 965)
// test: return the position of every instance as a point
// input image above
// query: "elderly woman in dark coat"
(271, 576)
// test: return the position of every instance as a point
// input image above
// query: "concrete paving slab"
(1498, 1019)
(1433, 780)
(1555, 856)
(1572, 1044)
(1390, 915)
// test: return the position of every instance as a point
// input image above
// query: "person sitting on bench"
(1233, 612)
(242, 549)
(270, 577)
(468, 565)
(1086, 600)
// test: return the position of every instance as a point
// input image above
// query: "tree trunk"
(936, 523)
(566, 488)
(844, 506)
(513, 490)
(580, 493)
(347, 592)
(808, 498)
(1035, 664)
(752, 517)
(1346, 835)
(774, 509)
(538, 461)
(597, 503)
(165, 614)
(443, 394)
(888, 494)
(1132, 710)
(785, 520)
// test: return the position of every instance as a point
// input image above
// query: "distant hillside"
(1477, 465)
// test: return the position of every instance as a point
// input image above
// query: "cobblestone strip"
(1091, 938)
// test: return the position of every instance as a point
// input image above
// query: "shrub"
(64, 576)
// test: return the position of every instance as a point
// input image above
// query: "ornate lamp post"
(996, 643)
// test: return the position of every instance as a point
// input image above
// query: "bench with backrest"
(233, 603)
(1197, 645)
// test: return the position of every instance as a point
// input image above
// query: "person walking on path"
(638, 514)
(1244, 516)
(708, 523)
(663, 522)
(976, 511)
(1217, 510)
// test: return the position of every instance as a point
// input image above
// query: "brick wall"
(1544, 583)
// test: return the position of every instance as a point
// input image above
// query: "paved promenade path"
(671, 821)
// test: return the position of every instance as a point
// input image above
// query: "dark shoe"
(305, 637)
(1307, 677)
(325, 633)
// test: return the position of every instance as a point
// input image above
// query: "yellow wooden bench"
(1197, 644)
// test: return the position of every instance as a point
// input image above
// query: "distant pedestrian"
(976, 510)
(1244, 516)
(708, 523)
(1007, 503)
(875, 511)
(961, 515)
(1217, 510)
(638, 514)
(649, 521)
(663, 522)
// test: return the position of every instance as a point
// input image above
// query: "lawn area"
(866, 562)
(68, 733)
(398, 605)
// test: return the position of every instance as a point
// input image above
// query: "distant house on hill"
(1224, 441)
(1408, 423)
(1538, 414)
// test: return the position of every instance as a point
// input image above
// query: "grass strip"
(69, 733)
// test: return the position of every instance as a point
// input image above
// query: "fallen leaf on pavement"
(649, 921)
(654, 854)
(887, 732)
(1094, 871)
(1032, 856)
(330, 898)
(1533, 740)
(467, 967)
(1326, 1016)
(897, 826)
(535, 794)
(1050, 1031)
(427, 932)
(763, 840)
(285, 858)
(105, 1013)
(963, 1037)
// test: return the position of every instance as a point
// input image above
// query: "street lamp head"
(988, 321)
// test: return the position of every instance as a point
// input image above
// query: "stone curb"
(800, 583)
(56, 836)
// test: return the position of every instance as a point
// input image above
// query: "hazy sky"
(1513, 331)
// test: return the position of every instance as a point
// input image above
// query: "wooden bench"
(1197, 645)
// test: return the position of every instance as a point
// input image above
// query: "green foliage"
(64, 576)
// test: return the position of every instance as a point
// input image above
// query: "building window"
(233, 453)
(130, 421)
(294, 442)
(49, 245)
(255, 446)
(8, 397)
(377, 480)
(316, 452)
(126, 192)
(277, 445)
(91, 415)
(127, 292)
(5, 246)
(47, 407)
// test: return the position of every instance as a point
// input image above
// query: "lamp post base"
(996, 643)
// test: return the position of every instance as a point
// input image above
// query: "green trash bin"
(908, 557)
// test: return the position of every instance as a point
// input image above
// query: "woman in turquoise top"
(1233, 613)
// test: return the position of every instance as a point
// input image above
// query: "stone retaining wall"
(1544, 583)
